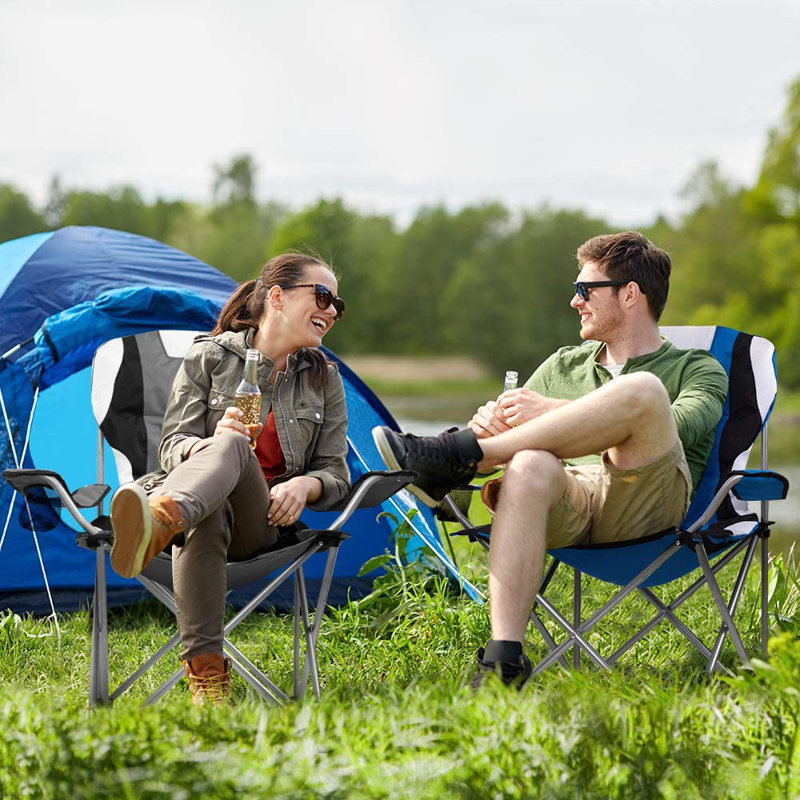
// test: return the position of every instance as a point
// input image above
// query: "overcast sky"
(606, 106)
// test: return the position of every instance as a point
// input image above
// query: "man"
(643, 409)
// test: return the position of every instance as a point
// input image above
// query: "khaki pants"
(604, 504)
(223, 494)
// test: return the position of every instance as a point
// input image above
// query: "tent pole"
(101, 467)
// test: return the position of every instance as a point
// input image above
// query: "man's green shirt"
(694, 379)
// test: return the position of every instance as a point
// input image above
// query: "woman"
(215, 498)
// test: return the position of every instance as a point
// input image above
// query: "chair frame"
(370, 490)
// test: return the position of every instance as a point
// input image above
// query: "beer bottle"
(248, 395)
(510, 381)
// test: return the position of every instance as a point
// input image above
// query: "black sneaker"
(512, 673)
(442, 462)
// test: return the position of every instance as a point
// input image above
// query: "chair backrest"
(131, 382)
(750, 364)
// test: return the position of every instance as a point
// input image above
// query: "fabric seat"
(718, 526)
(131, 380)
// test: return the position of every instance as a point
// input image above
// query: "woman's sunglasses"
(323, 295)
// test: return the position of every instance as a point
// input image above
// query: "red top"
(268, 450)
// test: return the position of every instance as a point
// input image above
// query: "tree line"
(482, 280)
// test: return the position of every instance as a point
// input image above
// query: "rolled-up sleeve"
(328, 460)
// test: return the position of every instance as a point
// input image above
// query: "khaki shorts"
(604, 504)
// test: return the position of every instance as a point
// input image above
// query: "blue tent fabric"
(47, 273)
(64, 293)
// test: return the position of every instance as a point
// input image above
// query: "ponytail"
(236, 314)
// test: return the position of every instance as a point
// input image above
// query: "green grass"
(396, 719)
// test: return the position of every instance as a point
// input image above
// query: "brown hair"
(633, 257)
(246, 305)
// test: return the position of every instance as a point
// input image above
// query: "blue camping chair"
(718, 526)
(131, 379)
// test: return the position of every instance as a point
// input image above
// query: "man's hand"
(489, 420)
(287, 500)
(522, 405)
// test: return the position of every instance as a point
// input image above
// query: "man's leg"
(534, 482)
(629, 417)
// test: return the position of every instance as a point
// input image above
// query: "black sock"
(502, 650)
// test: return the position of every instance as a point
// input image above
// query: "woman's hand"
(288, 499)
(232, 421)
(488, 420)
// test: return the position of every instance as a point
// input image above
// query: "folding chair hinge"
(689, 540)
(332, 538)
(479, 534)
(762, 531)
(102, 538)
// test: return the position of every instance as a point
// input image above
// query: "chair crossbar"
(253, 675)
(680, 599)
(606, 608)
(665, 612)
(575, 638)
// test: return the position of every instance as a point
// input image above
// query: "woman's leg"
(214, 486)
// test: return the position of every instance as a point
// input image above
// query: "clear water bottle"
(510, 381)
(248, 395)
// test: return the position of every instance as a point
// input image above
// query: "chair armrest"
(370, 490)
(760, 485)
(25, 479)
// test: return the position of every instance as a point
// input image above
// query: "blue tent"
(64, 293)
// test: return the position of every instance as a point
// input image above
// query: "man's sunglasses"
(323, 295)
(582, 287)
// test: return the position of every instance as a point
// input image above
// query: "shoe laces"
(214, 687)
(164, 518)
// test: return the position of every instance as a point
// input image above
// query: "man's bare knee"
(535, 472)
(644, 396)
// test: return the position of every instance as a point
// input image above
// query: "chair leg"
(253, 676)
(764, 595)
(98, 671)
(575, 638)
(549, 640)
(667, 612)
(154, 659)
(576, 615)
(735, 597)
(311, 654)
(721, 605)
(319, 609)
(296, 666)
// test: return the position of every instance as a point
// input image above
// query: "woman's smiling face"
(303, 316)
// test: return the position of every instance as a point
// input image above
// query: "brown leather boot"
(142, 528)
(209, 676)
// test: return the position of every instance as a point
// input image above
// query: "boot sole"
(387, 454)
(132, 525)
